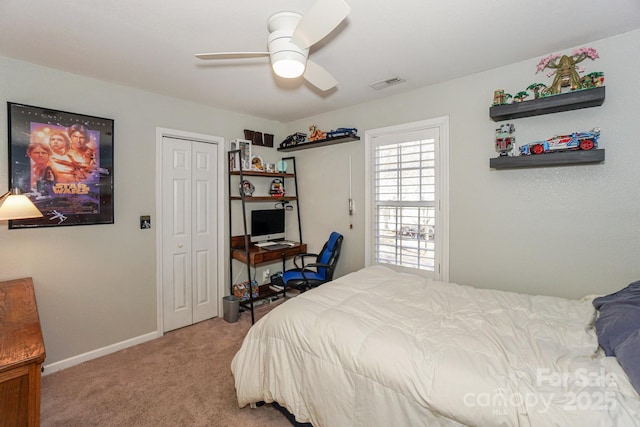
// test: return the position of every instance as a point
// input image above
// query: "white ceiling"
(150, 44)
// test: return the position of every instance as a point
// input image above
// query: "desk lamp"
(15, 205)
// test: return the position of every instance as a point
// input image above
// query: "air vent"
(386, 83)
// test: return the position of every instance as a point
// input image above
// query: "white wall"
(96, 285)
(565, 231)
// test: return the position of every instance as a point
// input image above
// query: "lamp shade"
(15, 205)
(288, 64)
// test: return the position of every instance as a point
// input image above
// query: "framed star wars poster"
(64, 163)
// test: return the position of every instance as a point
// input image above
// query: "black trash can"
(231, 307)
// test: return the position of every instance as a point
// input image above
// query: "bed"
(381, 348)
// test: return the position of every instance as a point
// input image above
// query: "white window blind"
(405, 203)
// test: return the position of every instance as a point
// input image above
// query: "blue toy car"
(575, 141)
(342, 132)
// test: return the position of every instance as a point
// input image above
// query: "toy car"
(575, 141)
(341, 132)
(293, 139)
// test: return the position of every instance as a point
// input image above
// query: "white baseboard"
(99, 352)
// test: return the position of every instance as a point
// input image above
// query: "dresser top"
(20, 334)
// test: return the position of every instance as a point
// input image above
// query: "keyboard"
(263, 244)
(276, 247)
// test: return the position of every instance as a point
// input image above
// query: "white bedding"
(380, 348)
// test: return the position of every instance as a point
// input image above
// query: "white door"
(189, 232)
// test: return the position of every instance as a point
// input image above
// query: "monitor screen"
(267, 224)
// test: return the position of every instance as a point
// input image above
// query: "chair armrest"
(317, 264)
(302, 257)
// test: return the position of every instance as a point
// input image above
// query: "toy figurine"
(520, 96)
(500, 97)
(246, 188)
(505, 139)
(277, 188)
(536, 88)
(595, 79)
(316, 134)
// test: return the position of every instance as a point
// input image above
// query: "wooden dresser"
(21, 354)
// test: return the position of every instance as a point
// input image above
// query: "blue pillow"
(630, 293)
(616, 322)
(618, 329)
(628, 355)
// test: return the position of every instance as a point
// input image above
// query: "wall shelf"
(551, 104)
(248, 172)
(265, 198)
(320, 143)
(562, 158)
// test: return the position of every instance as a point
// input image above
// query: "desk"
(256, 256)
(259, 255)
(21, 354)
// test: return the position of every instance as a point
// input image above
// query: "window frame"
(441, 124)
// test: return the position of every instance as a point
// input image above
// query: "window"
(407, 184)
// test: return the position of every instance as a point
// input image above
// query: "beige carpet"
(181, 379)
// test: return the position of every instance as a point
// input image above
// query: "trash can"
(230, 307)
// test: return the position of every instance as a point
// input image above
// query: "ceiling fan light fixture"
(288, 64)
(290, 37)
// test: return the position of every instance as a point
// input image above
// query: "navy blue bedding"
(618, 329)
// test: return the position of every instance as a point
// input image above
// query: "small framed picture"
(257, 164)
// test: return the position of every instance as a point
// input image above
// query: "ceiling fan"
(290, 37)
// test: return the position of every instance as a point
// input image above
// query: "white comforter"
(380, 348)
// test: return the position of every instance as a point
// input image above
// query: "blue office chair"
(308, 276)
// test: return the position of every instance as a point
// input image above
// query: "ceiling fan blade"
(323, 17)
(231, 55)
(319, 77)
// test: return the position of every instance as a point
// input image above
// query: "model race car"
(293, 139)
(574, 141)
(340, 132)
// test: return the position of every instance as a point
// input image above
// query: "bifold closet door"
(189, 215)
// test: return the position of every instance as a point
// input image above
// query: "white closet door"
(204, 219)
(189, 212)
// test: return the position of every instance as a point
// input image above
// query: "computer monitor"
(267, 224)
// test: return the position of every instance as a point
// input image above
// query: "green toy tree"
(565, 70)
